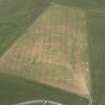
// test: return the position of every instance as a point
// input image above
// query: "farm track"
(42, 102)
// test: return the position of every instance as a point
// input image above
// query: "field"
(20, 90)
(17, 17)
(48, 55)
(57, 45)
(96, 24)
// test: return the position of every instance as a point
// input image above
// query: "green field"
(54, 42)
(16, 17)
(15, 89)
(96, 24)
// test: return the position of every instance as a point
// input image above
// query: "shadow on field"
(96, 38)
(15, 89)
(15, 17)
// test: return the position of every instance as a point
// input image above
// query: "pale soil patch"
(75, 86)
(53, 51)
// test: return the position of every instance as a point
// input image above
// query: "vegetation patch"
(16, 17)
(15, 89)
(96, 38)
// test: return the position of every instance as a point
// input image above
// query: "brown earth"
(58, 49)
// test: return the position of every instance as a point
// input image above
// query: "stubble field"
(53, 51)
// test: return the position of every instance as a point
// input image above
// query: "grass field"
(15, 89)
(16, 17)
(57, 43)
(96, 24)
(84, 4)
